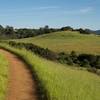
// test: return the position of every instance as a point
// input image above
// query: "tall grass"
(61, 82)
(3, 76)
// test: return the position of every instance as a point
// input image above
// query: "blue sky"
(55, 13)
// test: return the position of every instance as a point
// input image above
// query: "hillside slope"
(61, 82)
(67, 41)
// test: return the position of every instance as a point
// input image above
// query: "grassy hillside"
(67, 41)
(61, 82)
(3, 76)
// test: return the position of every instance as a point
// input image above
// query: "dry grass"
(67, 41)
(62, 82)
(3, 76)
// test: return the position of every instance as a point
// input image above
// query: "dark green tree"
(9, 32)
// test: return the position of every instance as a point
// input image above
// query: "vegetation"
(9, 31)
(3, 76)
(66, 41)
(61, 82)
(45, 53)
(65, 45)
(84, 60)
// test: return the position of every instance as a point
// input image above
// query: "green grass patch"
(66, 42)
(3, 76)
(61, 82)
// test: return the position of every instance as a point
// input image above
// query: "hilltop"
(66, 41)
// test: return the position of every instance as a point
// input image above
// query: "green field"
(61, 82)
(67, 41)
(3, 76)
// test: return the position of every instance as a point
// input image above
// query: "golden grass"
(67, 41)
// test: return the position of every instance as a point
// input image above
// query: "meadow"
(67, 41)
(3, 76)
(61, 82)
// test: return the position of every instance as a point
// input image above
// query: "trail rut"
(21, 85)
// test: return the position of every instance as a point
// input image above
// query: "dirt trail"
(21, 85)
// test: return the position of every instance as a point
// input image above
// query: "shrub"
(84, 60)
(90, 58)
(93, 70)
(97, 63)
(74, 56)
(65, 58)
(85, 63)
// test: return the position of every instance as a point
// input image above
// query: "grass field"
(61, 82)
(3, 76)
(67, 41)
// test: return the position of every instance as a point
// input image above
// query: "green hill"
(61, 82)
(67, 41)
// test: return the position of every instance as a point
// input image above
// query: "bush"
(85, 63)
(65, 58)
(90, 58)
(46, 53)
(97, 63)
(93, 70)
(84, 60)
(74, 56)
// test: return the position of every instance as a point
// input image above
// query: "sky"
(55, 13)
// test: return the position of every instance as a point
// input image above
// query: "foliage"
(46, 53)
(67, 28)
(84, 60)
(97, 63)
(82, 31)
(9, 31)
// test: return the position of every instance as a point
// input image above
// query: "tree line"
(10, 32)
(83, 60)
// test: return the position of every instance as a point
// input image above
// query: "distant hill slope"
(93, 31)
(66, 41)
(97, 32)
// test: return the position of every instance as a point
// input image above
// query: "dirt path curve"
(21, 85)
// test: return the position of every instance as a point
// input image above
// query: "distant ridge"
(93, 31)
(97, 32)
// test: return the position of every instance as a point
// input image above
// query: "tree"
(23, 33)
(9, 31)
(67, 28)
(82, 31)
(46, 29)
(1, 30)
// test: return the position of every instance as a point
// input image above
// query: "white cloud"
(79, 11)
(86, 10)
(29, 9)
(54, 10)
(45, 7)
(26, 11)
